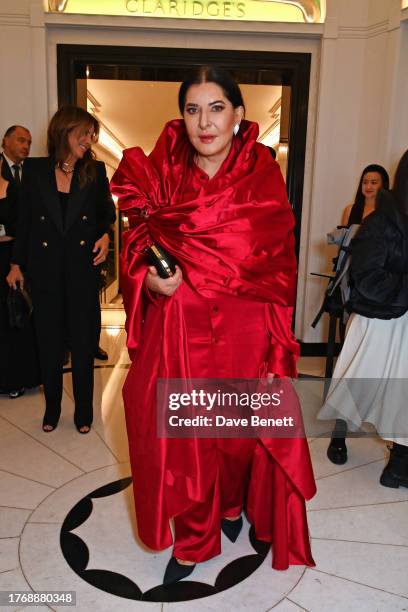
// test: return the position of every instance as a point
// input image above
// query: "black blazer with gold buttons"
(50, 252)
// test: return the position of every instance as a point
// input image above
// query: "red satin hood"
(231, 234)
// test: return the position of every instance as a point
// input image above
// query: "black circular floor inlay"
(76, 554)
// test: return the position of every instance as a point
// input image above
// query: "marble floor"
(67, 520)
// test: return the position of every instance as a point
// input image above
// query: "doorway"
(83, 68)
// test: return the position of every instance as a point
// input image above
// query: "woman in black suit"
(62, 237)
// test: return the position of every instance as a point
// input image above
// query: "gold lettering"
(198, 8)
(209, 9)
(195, 8)
(173, 7)
(241, 9)
(159, 7)
(131, 6)
(227, 9)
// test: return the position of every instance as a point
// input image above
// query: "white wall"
(362, 118)
(23, 69)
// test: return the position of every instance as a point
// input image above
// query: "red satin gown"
(199, 481)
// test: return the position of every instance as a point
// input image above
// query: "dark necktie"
(17, 178)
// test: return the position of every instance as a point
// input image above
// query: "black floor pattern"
(76, 554)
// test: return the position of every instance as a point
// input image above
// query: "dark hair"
(356, 213)
(400, 186)
(272, 151)
(212, 74)
(11, 130)
(66, 119)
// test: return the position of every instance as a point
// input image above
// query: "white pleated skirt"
(370, 380)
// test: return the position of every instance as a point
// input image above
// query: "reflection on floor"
(67, 520)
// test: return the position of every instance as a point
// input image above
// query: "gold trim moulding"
(311, 9)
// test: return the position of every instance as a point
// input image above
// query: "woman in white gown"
(373, 178)
(371, 372)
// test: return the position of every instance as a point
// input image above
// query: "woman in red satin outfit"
(214, 199)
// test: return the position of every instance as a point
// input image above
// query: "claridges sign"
(187, 8)
(309, 11)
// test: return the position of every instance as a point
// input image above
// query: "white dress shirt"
(11, 164)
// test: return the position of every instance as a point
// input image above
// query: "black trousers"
(54, 314)
(98, 323)
(98, 327)
(19, 365)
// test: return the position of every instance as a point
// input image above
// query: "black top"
(379, 263)
(63, 198)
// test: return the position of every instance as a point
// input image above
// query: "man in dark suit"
(18, 359)
(16, 148)
(16, 145)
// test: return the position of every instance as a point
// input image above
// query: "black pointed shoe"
(101, 354)
(175, 571)
(232, 529)
(337, 451)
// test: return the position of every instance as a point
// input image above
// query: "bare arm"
(346, 215)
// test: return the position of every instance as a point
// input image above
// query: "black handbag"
(20, 307)
(164, 263)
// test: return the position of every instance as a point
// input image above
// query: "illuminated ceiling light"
(93, 106)
(113, 331)
(271, 136)
(107, 139)
(109, 142)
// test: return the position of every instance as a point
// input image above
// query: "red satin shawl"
(234, 237)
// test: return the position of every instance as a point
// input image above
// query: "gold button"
(42, 218)
(84, 218)
(45, 244)
(82, 243)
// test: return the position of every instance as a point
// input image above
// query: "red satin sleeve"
(134, 300)
(284, 350)
(151, 296)
(133, 270)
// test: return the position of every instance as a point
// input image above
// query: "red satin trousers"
(226, 338)
(197, 530)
